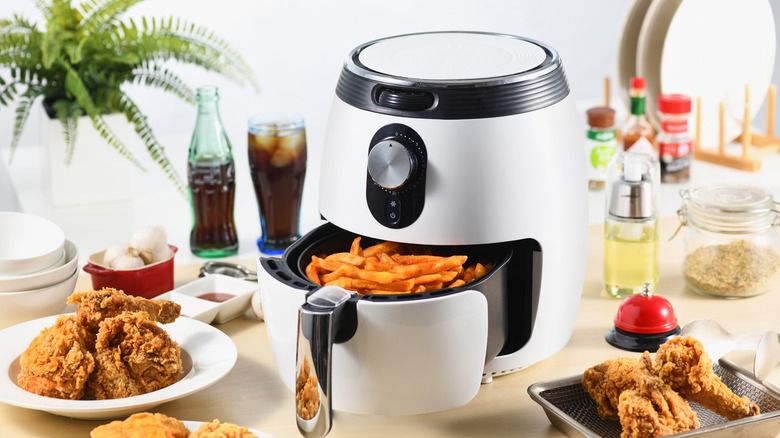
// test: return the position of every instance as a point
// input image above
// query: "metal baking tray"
(571, 409)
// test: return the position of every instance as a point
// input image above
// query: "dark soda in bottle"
(212, 183)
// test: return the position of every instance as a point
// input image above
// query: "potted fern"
(81, 61)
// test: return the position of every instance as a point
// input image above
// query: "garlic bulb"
(151, 244)
(122, 256)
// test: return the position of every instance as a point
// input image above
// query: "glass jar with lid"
(732, 249)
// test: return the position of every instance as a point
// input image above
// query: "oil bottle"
(631, 225)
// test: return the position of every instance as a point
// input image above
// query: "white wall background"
(297, 48)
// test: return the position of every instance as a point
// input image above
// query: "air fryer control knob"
(391, 164)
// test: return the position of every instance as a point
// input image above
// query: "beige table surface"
(252, 394)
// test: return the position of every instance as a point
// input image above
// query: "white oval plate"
(212, 353)
(713, 49)
(708, 49)
(627, 48)
(194, 425)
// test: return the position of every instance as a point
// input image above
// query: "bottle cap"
(632, 193)
(637, 82)
(674, 104)
(601, 117)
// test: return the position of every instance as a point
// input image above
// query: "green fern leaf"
(76, 88)
(160, 77)
(156, 151)
(68, 113)
(108, 135)
(22, 113)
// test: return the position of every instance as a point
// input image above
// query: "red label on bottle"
(669, 151)
(674, 126)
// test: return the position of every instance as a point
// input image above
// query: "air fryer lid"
(452, 75)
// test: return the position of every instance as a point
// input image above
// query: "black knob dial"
(391, 164)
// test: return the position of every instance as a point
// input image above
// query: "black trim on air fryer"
(525, 278)
(399, 207)
(524, 92)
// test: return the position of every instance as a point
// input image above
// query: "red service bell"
(643, 322)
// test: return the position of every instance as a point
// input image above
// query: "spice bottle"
(732, 248)
(631, 225)
(675, 144)
(637, 128)
(600, 143)
(212, 184)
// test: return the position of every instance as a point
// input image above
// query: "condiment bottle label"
(601, 147)
(675, 156)
(674, 126)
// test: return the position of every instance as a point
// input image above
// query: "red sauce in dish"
(216, 297)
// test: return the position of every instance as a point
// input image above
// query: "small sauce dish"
(214, 298)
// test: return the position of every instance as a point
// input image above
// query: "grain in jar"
(732, 249)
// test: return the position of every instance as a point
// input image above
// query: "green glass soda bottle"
(212, 181)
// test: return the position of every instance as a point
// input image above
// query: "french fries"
(382, 269)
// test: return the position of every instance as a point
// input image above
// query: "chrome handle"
(317, 322)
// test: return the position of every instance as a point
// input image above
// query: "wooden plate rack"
(752, 144)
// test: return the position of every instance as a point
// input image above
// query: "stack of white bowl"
(38, 268)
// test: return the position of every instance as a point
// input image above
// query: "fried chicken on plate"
(683, 363)
(96, 305)
(216, 429)
(57, 362)
(133, 356)
(625, 389)
(111, 348)
(142, 425)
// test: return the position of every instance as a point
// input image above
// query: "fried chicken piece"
(142, 425)
(96, 305)
(625, 389)
(133, 355)
(215, 429)
(57, 363)
(605, 381)
(683, 363)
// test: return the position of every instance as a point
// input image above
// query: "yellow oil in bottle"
(630, 257)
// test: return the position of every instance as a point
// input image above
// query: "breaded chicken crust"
(57, 363)
(142, 425)
(133, 356)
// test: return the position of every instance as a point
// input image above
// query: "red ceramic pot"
(147, 281)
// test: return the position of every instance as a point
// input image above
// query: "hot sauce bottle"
(637, 128)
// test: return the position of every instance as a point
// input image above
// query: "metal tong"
(225, 268)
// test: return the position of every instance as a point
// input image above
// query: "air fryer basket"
(329, 239)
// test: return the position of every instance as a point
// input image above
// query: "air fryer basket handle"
(318, 320)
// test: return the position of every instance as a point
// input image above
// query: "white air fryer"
(467, 142)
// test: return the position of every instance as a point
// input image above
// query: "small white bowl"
(194, 305)
(44, 278)
(16, 307)
(28, 243)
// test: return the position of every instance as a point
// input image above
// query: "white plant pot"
(97, 173)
